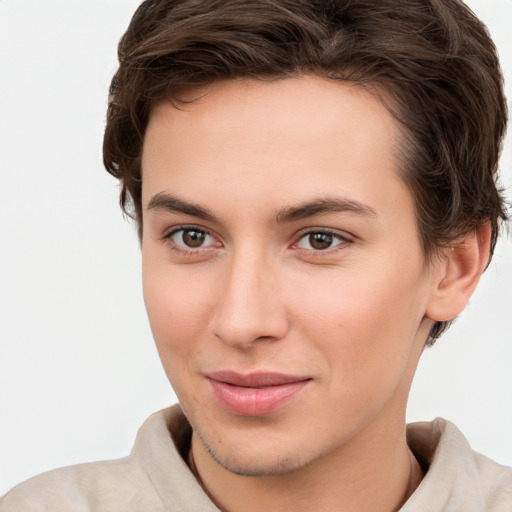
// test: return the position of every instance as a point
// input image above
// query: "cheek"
(178, 309)
(177, 313)
(365, 325)
(359, 307)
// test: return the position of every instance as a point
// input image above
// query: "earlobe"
(457, 273)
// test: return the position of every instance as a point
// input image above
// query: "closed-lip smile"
(254, 394)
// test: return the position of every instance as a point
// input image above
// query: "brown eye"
(193, 238)
(320, 241)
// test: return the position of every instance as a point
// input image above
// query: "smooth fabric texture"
(154, 477)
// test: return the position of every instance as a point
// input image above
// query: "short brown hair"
(432, 59)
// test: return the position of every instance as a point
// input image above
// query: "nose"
(249, 307)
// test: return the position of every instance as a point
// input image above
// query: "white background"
(78, 369)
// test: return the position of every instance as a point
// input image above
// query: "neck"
(372, 472)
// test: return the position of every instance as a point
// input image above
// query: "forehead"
(285, 140)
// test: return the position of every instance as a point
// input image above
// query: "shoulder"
(457, 478)
(100, 486)
(127, 484)
(495, 483)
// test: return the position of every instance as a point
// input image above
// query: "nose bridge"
(249, 305)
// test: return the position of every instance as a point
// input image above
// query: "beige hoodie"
(155, 478)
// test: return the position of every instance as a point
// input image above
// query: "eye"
(191, 238)
(321, 240)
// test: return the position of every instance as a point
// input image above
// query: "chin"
(257, 461)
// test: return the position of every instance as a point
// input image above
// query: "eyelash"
(343, 241)
(182, 249)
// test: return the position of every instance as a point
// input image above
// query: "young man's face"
(283, 274)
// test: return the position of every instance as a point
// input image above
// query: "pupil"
(193, 238)
(320, 241)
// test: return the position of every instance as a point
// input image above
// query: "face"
(283, 274)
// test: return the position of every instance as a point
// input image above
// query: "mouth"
(255, 394)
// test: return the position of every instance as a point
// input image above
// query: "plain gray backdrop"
(78, 369)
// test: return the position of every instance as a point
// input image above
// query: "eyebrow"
(322, 206)
(170, 203)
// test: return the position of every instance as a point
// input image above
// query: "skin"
(256, 295)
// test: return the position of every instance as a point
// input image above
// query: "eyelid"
(170, 232)
(343, 237)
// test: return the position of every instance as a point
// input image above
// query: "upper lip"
(255, 380)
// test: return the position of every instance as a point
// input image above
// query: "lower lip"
(255, 401)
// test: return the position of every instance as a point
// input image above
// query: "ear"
(457, 272)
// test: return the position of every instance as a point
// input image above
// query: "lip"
(254, 394)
